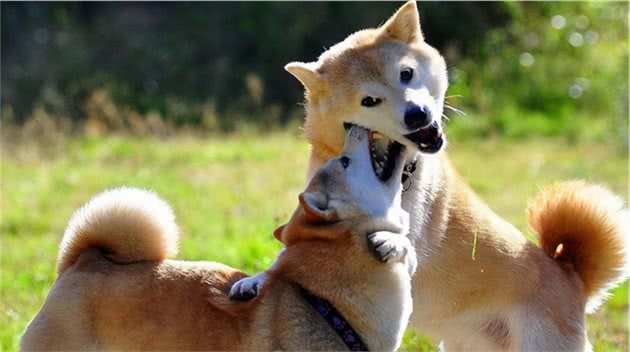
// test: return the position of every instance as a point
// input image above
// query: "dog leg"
(247, 289)
(390, 247)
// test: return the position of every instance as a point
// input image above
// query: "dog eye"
(370, 102)
(345, 161)
(406, 75)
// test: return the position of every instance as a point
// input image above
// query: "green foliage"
(229, 193)
(178, 59)
(556, 69)
(216, 66)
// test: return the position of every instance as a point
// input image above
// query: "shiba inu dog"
(117, 291)
(512, 295)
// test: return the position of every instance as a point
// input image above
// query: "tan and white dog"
(513, 295)
(117, 291)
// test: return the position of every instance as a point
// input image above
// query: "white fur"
(377, 198)
(388, 308)
(622, 220)
(534, 333)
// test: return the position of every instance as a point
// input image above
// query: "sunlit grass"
(229, 193)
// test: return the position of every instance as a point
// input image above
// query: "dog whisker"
(456, 110)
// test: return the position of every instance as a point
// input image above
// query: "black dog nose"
(416, 116)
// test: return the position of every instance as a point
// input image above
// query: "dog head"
(350, 193)
(387, 79)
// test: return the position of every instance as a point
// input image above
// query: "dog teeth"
(380, 149)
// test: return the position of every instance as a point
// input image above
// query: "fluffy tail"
(584, 227)
(129, 225)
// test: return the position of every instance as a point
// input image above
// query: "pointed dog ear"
(317, 208)
(404, 25)
(306, 73)
(312, 220)
(277, 233)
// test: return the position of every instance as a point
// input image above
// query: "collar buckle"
(407, 176)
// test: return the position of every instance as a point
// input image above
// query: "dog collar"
(337, 322)
(407, 176)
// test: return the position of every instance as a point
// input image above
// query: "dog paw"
(246, 289)
(390, 247)
(387, 246)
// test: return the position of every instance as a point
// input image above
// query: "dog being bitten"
(512, 294)
(117, 291)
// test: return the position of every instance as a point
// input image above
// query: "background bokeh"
(191, 100)
(218, 66)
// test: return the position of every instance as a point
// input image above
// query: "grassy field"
(229, 193)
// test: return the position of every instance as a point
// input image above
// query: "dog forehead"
(329, 179)
(370, 61)
(354, 64)
(355, 57)
(390, 52)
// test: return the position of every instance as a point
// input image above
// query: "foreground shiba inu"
(512, 295)
(116, 290)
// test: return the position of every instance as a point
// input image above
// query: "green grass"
(229, 193)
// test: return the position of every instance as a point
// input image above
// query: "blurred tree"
(221, 63)
(555, 69)
(174, 57)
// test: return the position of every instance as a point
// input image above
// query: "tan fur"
(510, 295)
(98, 224)
(154, 304)
(587, 222)
(403, 25)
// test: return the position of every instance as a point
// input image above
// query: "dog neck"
(426, 190)
(374, 297)
(336, 321)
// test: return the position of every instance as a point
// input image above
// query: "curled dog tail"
(127, 224)
(585, 228)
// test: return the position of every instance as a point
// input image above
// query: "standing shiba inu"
(513, 295)
(117, 291)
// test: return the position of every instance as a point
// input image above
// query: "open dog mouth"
(384, 154)
(429, 139)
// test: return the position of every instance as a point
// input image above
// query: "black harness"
(336, 321)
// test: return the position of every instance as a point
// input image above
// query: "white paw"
(390, 247)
